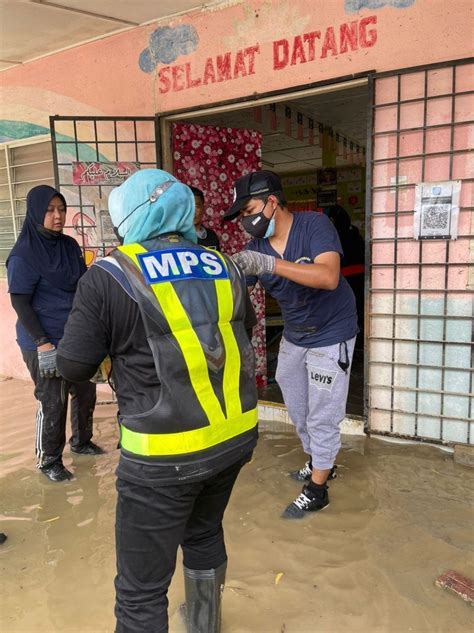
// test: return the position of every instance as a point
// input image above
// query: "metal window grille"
(23, 165)
(97, 140)
(420, 293)
(102, 140)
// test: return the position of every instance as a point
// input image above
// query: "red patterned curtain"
(212, 158)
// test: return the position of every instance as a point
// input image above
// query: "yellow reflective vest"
(191, 300)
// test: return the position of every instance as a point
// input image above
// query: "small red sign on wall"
(84, 173)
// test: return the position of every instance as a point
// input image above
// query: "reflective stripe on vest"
(221, 427)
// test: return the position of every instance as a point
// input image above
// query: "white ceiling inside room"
(343, 110)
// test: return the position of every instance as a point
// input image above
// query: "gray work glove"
(47, 364)
(253, 263)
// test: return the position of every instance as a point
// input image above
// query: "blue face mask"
(258, 225)
(270, 229)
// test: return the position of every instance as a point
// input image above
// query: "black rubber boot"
(203, 589)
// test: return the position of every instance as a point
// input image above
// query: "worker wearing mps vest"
(171, 315)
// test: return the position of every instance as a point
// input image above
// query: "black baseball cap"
(258, 183)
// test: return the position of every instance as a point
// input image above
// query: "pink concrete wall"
(231, 52)
(247, 48)
(11, 362)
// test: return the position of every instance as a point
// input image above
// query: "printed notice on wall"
(437, 210)
(104, 225)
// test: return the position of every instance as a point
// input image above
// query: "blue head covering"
(150, 203)
(57, 257)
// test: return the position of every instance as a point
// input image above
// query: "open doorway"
(316, 142)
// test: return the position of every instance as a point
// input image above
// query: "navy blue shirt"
(51, 305)
(312, 317)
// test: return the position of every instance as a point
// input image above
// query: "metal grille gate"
(106, 140)
(420, 292)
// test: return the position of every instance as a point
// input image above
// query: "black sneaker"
(88, 449)
(304, 474)
(57, 472)
(307, 501)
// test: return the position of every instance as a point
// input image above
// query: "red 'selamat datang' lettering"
(216, 69)
(307, 47)
(316, 44)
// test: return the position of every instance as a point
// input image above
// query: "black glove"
(47, 364)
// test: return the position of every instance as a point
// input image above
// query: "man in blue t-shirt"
(296, 258)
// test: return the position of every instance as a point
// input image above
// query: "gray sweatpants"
(315, 391)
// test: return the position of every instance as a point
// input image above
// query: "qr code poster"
(437, 210)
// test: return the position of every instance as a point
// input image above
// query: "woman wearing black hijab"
(44, 268)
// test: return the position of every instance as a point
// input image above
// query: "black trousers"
(150, 525)
(52, 395)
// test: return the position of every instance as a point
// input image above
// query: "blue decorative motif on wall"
(352, 6)
(13, 130)
(167, 44)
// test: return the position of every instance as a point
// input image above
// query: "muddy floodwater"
(399, 516)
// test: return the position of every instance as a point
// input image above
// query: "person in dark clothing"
(296, 257)
(206, 236)
(172, 317)
(353, 260)
(44, 268)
